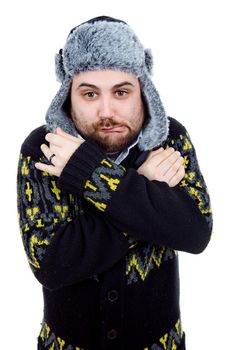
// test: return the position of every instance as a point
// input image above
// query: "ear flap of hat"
(156, 129)
(56, 116)
(59, 67)
(149, 60)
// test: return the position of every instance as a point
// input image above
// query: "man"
(108, 192)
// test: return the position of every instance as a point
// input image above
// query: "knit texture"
(103, 241)
(168, 341)
(73, 177)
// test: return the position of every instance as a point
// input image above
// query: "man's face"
(107, 107)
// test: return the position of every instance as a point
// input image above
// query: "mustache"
(108, 123)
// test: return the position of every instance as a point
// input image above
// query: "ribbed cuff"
(80, 167)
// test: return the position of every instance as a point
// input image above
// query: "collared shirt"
(125, 153)
(120, 157)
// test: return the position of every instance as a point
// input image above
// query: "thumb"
(65, 134)
(153, 153)
(62, 133)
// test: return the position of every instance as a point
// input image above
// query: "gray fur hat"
(107, 43)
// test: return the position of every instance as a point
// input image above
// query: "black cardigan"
(103, 242)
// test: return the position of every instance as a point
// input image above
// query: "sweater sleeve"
(176, 217)
(63, 243)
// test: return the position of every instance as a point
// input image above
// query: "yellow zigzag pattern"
(168, 340)
(143, 272)
(34, 241)
(58, 343)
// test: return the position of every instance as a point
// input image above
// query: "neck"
(113, 155)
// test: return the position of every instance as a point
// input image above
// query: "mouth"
(112, 129)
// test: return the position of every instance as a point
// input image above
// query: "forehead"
(105, 79)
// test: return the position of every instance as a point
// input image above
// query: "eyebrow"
(123, 84)
(116, 86)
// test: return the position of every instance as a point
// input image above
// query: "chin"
(113, 147)
(114, 142)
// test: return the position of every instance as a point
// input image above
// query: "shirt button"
(112, 334)
(112, 295)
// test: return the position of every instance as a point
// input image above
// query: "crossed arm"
(162, 165)
(63, 245)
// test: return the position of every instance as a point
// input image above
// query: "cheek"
(137, 115)
(82, 123)
(81, 115)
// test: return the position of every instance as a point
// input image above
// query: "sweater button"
(112, 295)
(112, 334)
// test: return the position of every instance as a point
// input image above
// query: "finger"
(157, 159)
(169, 163)
(176, 162)
(153, 153)
(47, 168)
(157, 151)
(177, 177)
(173, 169)
(46, 150)
(55, 139)
(55, 150)
(163, 154)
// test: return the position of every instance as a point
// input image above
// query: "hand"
(61, 147)
(164, 165)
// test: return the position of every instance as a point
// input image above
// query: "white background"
(192, 46)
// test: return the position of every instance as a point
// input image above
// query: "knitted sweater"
(103, 241)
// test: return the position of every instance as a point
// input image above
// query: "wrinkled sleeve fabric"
(63, 243)
(177, 217)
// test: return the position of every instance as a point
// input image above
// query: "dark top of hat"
(99, 19)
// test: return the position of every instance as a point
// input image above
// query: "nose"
(106, 108)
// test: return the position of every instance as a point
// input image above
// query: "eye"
(121, 93)
(90, 94)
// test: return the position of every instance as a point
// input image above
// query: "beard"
(110, 142)
(113, 146)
